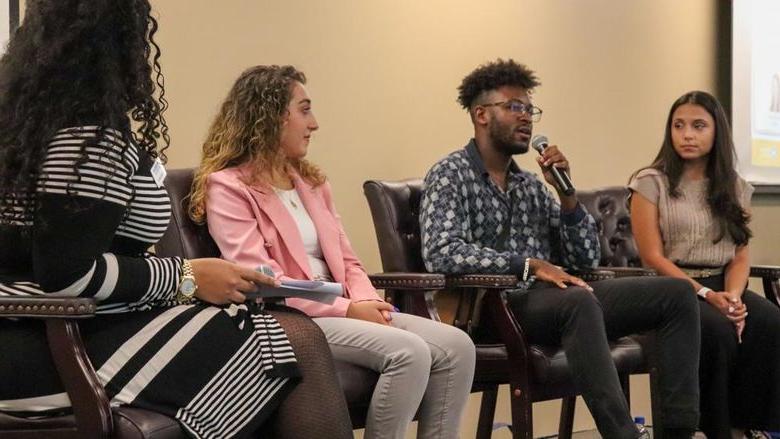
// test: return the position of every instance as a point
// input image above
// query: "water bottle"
(640, 424)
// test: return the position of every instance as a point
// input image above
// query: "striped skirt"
(219, 371)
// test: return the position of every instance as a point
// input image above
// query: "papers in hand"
(317, 290)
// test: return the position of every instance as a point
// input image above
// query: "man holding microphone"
(482, 213)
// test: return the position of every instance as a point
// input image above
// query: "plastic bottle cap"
(639, 420)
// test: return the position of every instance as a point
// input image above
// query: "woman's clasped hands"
(731, 306)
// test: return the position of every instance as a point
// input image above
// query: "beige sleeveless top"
(687, 224)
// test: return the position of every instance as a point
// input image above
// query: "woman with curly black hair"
(82, 137)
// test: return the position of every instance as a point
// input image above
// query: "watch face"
(188, 287)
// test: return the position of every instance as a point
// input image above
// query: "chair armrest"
(504, 281)
(421, 286)
(488, 281)
(593, 275)
(88, 398)
(407, 281)
(770, 275)
(630, 271)
(765, 271)
(499, 318)
(47, 307)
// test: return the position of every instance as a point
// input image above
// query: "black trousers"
(583, 322)
(740, 383)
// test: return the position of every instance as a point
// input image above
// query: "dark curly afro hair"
(492, 76)
(71, 63)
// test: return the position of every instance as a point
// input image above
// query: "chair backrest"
(395, 206)
(184, 237)
(610, 210)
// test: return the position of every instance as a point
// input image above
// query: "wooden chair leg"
(522, 413)
(487, 412)
(625, 383)
(650, 348)
(566, 424)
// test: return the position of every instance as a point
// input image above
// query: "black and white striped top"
(104, 200)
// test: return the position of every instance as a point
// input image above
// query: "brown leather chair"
(92, 416)
(190, 240)
(609, 208)
(534, 372)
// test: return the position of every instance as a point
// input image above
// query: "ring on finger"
(731, 309)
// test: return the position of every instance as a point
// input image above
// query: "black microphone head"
(539, 142)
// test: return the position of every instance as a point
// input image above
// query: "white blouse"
(311, 243)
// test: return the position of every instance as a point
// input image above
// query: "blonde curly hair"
(247, 129)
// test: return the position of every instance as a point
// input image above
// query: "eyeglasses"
(519, 108)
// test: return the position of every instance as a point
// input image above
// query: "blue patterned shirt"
(469, 225)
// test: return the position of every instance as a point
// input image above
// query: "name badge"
(158, 172)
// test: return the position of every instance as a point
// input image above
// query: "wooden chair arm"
(630, 271)
(593, 275)
(505, 281)
(491, 288)
(505, 326)
(61, 314)
(770, 276)
(487, 281)
(45, 307)
(87, 395)
(765, 271)
(407, 281)
(413, 293)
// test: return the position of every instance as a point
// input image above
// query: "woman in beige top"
(689, 213)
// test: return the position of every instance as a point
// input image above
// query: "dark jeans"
(740, 383)
(583, 322)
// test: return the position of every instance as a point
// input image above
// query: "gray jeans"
(422, 363)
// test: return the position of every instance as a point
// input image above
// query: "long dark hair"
(77, 62)
(722, 187)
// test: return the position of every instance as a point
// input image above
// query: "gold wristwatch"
(187, 284)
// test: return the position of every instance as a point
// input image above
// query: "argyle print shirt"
(469, 225)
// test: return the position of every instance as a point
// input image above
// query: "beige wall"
(383, 74)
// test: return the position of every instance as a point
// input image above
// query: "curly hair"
(248, 129)
(492, 76)
(722, 187)
(77, 62)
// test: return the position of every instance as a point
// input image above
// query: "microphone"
(562, 179)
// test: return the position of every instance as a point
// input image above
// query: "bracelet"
(526, 268)
(703, 291)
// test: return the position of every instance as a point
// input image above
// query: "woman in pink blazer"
(265, 204)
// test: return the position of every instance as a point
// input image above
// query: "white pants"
(422, 363)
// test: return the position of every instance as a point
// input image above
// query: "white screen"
(756, 89)
(5, 20)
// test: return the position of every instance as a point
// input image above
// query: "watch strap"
(187, 273)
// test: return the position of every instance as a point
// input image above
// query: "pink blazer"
(251, 226)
